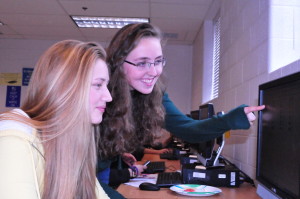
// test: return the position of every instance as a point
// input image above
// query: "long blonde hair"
(58, 106)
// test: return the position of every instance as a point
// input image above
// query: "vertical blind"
(216, 59)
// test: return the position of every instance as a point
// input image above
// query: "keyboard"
(169, 156)
(155, 167)
(168, 179)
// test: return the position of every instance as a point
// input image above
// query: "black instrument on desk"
(172, 155)
(205, 150)
(147, 186)
(168, 179)
(155, 167)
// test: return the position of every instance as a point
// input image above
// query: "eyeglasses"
(143, 65)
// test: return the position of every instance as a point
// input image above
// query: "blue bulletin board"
(13, 96)
(26, 74)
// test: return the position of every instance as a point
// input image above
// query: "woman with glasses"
(141, 107)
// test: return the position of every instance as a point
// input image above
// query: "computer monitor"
(278, 139)
(206, 111)
(195, 115)
(205, 150)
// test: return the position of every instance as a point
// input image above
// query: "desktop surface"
(244, 191)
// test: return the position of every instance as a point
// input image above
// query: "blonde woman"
(47, 148)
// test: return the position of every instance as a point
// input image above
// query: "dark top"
(111, 192)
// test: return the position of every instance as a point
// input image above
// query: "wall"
(202, 59)
(16, 54)
(244, 66)
(178, 71)
(284, 33)
(202, 55)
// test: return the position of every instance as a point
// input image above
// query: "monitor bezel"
(259, 177)
(209, 107)
(195, 114)
(205, 150)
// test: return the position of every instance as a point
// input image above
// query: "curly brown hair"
(132, 119)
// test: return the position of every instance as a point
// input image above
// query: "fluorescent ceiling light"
(105, 22)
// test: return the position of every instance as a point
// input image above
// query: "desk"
(244, 191)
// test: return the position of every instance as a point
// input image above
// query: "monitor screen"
(206, 111)
(278, 155)
(195, 114)
(206, 148)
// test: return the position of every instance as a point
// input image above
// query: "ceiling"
(180, 20)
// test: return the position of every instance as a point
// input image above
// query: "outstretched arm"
(203, 130)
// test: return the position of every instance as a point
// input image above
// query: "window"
(211, 59)
(284, 40)
(216, 59)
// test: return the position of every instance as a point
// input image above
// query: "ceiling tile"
(50, 19)
(46, 30)
(189, 2)
(111, 8)
(7, 30)
(178, 24)
(36, 20)
(178, 11)
(100, 34)
(30, 7)
(55, 37)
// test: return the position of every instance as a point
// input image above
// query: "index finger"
(131, 158)
(253, 108)
(134, 159)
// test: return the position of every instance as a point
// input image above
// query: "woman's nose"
(107, 96)
(152, 70)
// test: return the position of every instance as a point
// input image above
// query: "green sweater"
(194, 131)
